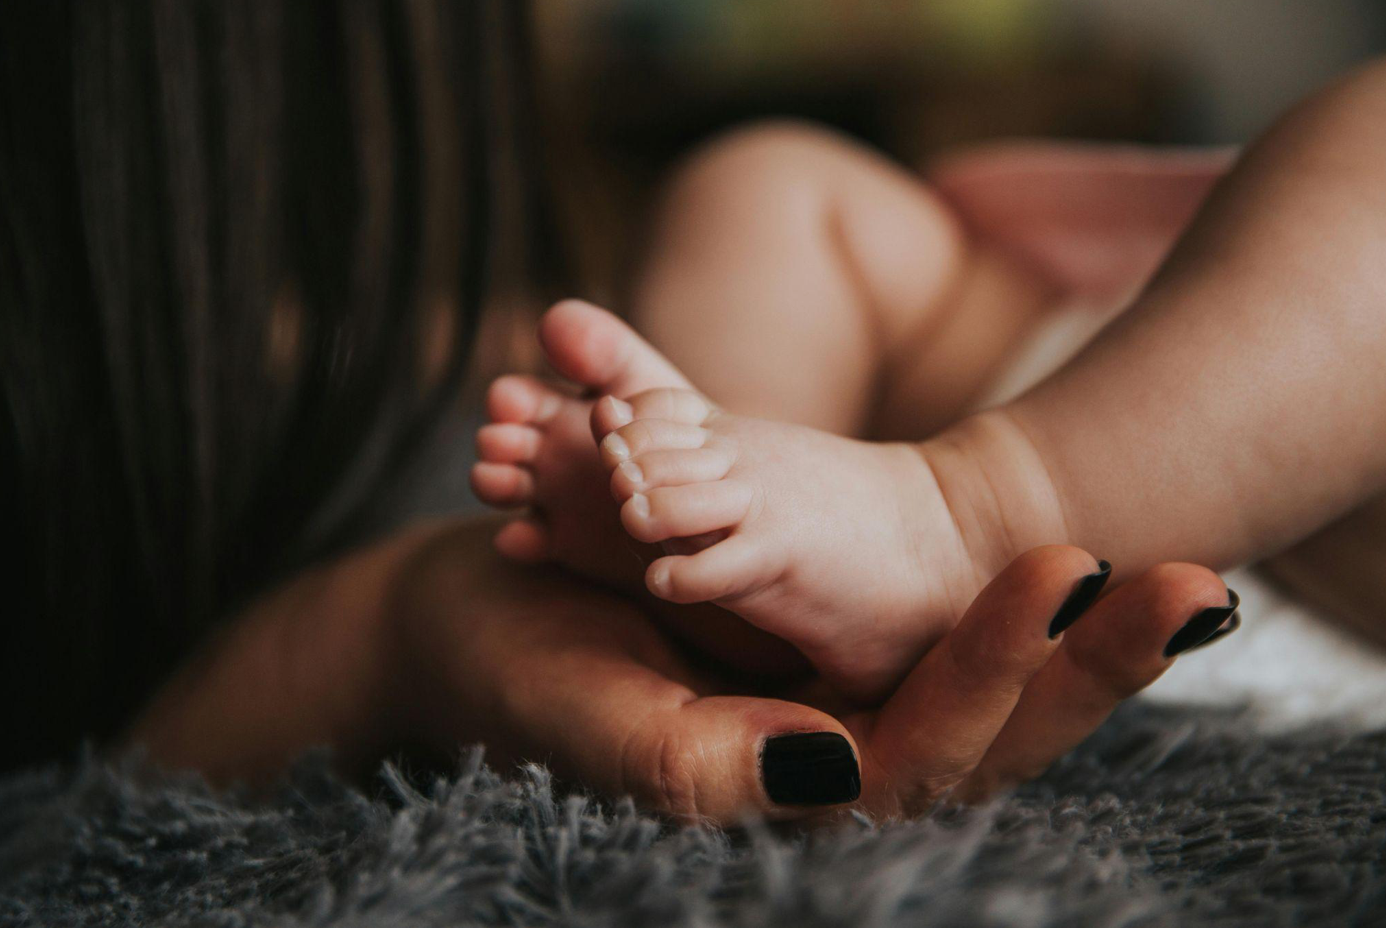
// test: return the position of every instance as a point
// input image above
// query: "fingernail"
(632, 472)
(1206, 627)
(640, 505)
(622, 412)
(616, 446)
(1083, 596)
(814, 768)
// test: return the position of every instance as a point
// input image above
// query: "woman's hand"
(540, 668)
(313, 662)
(429, 637)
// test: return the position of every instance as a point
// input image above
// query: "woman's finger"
(545, 670)
(621, 726)
(939, 724)
(1120, 646)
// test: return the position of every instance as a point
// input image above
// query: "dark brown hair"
(244, 251)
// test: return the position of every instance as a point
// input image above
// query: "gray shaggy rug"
(1163, 818)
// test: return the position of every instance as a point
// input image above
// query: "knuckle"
(1112, 676)
(974, 657)
(913, 791)
(660, 771)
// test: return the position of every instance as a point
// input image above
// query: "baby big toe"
(670, 469)
(592, 347)
(678, 512)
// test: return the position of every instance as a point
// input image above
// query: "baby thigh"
(791, 270)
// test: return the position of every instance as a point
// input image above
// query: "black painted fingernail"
(1083, 596)
(815, 768)
(1234, 622)
(1206, 627)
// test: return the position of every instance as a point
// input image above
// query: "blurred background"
(627, 87)
(630, 85)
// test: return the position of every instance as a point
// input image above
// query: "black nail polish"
(815, 768)
(1234, 622)
(1206, 627)
(1083, 596)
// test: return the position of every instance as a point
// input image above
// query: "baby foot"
(538, 453)
(850, 551)
(845, 548)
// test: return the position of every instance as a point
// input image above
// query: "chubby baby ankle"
(997, 488)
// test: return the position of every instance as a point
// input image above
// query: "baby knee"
(760, 157)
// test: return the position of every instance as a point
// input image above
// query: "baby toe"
(728, 570)
(508, 443)
(686, 406)
(592, 347)
(645, 435)
(523, 540)
(676, 512)
(671, 469)
(608, 415)
(502, 485)
(668, 404)
(519, 398)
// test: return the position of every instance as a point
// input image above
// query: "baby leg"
(1237, 407)
(785, 265)
(803, 278)
(1242, 403)
(797, 276)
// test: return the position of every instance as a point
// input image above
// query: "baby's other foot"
(845, 548)
(537, 452)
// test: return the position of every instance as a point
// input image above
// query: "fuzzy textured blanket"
(1165, 817)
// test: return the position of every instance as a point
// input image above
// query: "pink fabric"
(1096, 219)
